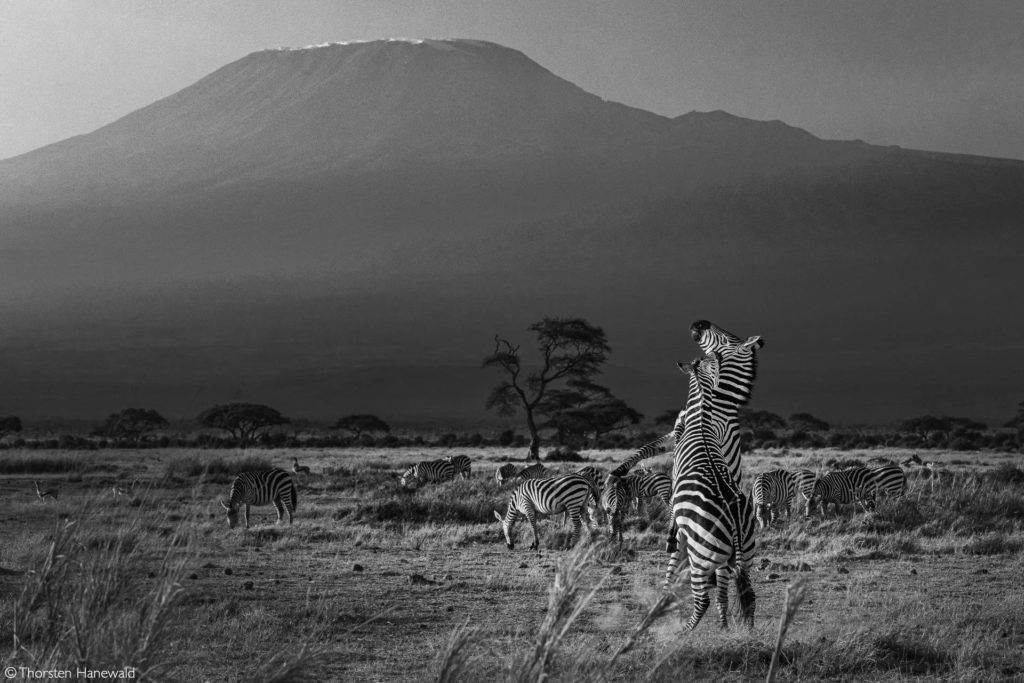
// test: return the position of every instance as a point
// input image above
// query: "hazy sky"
(929, 74)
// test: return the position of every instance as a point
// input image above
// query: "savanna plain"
(376, 583)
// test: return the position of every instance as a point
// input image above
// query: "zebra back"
(889, 479)
(262, 488)
(462, 465)
(649, 485)
(428, 471)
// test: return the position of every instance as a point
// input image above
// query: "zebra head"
(504, 472)
(232, 514)
(410, 478)
(508, 523)
(713, 339)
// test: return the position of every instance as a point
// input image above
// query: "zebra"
(43, 494)
(508, 473)
(733, 388)
(462, 465)
(843, 487)
(596, 477)
(711, 513)
(772, 491)
(645, 485)
(262, 488)
(805, 485)
(427, 471)
(614, 500)
(297, 468)
(542, 497)
(890, 480)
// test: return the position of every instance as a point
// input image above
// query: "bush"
(564, 454)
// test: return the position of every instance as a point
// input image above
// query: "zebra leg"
(674, 562)
(577, 523)
(672, 544)
(279, 506)
(699, 584)
(721, 579)
(532, 517)
(246, 515)
(759, 511)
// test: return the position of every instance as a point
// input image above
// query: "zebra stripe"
(614, 501)
(772, 491)
(648, 485)
(262, 488)
(462, 464)
(427, 471)
(843, 487)
(507, 473)
(708, 507)
(543, 497)
(733, 388)
(890, 480)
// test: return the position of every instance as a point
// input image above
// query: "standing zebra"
(711, 513)
(890, 480)
(771, 492)
(542, 497)
(614, 501)
(805, 486)
(462, 464)
(261, 488)
(507, 473)
(643, 486)
(427, 471)
(843, 487)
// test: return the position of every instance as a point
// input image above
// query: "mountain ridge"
(400, 202)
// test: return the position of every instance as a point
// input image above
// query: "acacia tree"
(242, 420)
(569, 348)
(585, 408)
(361, 424)
(132, 423)
(1018, 422)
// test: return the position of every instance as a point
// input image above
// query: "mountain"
(344, 228)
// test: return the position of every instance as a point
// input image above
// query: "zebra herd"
(778, 490)
(712, 518)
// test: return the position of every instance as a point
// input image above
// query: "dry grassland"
(375, 584)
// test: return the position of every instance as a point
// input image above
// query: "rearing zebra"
(427, 471)
(709, 509)
(462, 465)
(261, 488)
(542, 497)
(772, 491)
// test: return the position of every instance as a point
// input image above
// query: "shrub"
(564, 454)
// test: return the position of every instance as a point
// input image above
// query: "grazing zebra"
(542, 497)
(262, 488)
(805, 484)
(771, 492)
(614, 500)
(507, 473)
(427, 471)
(462, 465)
(890, 480)
(43, 494)
(646, 485)
(711, 513)
(843, 487)
(596, 477)
(297, 468)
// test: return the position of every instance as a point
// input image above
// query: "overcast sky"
(928, 74)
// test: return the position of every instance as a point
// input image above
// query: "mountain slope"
(310, 226)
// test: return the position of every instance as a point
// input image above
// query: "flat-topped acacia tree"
(358, 425)
(132, 423)
(569, 348)
(242, 420)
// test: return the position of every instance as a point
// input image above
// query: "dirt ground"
(382, 601)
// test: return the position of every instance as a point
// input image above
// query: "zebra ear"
(754, 341)
(225, 506)
(498, 517)
(687, 368)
